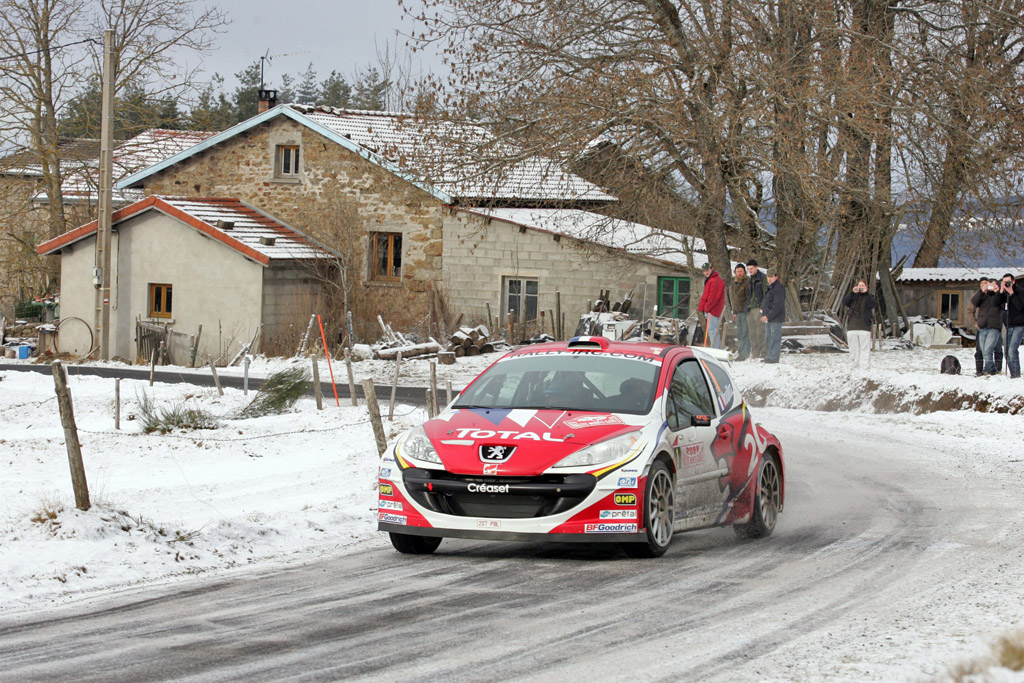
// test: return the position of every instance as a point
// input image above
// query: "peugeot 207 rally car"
(587, 440)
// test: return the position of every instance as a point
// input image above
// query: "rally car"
(587, 440)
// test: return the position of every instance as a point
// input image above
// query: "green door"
(674, 297)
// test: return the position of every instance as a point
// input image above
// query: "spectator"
(989, 305)
(972, 323)
(861, 307)
(740, 299)
(1014, 324)
(712, 303)
(773, 313)
(755, 328)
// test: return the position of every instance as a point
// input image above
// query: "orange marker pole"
(327, 353)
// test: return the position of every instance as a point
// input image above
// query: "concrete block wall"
(480, 252)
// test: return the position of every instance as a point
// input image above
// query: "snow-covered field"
(301, 485)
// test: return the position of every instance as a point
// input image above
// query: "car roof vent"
(594, 343)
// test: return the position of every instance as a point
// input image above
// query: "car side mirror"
(701, 421)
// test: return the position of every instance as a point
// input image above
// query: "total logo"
(624, 482)
(613, 514)
(387, 490)
(487, 488)
(619, 528)
(390, 505)
(389, 518)
(514, 436)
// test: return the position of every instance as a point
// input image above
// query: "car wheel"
(767, 501)
(659, 513)
(415, 545)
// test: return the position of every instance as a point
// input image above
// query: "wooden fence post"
(67, 419)
(152, 367)
(448, 390)
(433, 386)
(216, 380)
(394, 387)
(378, 426)
(351, 377)
(430, 405)
(316, 384)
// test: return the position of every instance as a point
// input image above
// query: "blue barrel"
(23, 351)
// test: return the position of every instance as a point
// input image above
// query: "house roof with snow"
(235, 224)
(956, 274)
(452, 161)
(633, 238)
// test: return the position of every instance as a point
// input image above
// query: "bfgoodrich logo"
(390, 518)
(621, 527)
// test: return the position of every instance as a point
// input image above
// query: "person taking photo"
(860, 314)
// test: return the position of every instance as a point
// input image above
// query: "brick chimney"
(267, 99)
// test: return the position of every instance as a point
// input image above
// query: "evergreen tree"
(370, 90)
(244, 100)
(213, 110)
(335, 92)
(308, 90)
(135, 110)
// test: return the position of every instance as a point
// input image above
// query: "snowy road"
(892, 561)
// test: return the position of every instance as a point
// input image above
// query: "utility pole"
(103, 230)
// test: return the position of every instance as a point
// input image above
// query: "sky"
(342, 35)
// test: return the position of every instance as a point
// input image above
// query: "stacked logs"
(471, 341)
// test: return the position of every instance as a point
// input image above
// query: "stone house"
(408, 215)
(179, 264)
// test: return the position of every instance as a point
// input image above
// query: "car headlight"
(619, 448)
(416, 446)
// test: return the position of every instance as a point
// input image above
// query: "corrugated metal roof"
(462, 160)
(634, 238)
(956, 274)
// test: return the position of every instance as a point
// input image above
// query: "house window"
(674, 297)
(386, 258)
(521, 299)
(949, 306)
(160, 302)
(287, 164)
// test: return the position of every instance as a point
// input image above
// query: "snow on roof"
(251, 232)
(634, 238)
(956, 274)
(460, 159)
(81, 181)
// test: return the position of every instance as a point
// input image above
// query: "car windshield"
(566, 381)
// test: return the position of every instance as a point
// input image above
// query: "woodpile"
(394, 343)
(471, 341)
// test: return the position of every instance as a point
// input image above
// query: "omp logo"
(390, 505)
(615, 514)
(389, 518)
(487, 488)
(625, 499)
(625, 482)
(496, 453)
(619, 528)
(386, 490)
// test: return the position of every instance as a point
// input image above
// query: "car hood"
(538, 438)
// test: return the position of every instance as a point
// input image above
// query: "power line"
(4, 58)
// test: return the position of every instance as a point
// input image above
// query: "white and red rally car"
(588, 440)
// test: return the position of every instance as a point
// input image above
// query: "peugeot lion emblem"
(496, 453)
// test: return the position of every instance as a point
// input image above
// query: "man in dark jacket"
(1014, 323)
(861, 307)
(990, 322)
(740, 297)
(773, 314)
(758, 288)
(972, 324)
(712, 303)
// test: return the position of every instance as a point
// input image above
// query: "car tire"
(659, 513)
(415, 545)
(767, 501)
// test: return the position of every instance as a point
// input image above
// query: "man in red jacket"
(712, 302)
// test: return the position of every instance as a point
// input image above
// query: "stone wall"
(339, 198)
(480, 252)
